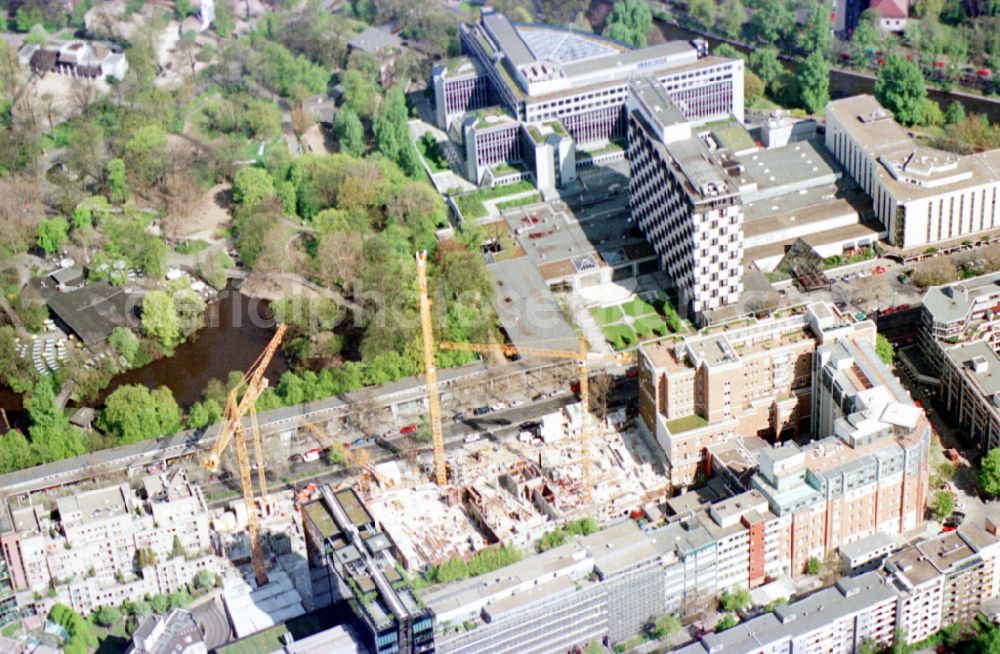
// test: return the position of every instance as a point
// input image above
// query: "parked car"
(481, 411)
(879, 270)
(408, 429)
(312, 455)
(458, 417)
(533, 426)
(471, 438)
(499, 406)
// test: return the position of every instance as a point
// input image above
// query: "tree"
(944, 505)
(664, 626)
(107, 615)
(350, 131)
(117, 187)
(817, 34)
(203, 580)
(988, 477)
(771, 20)
(263, 119)
(43, 410)
(883, 348)
(735, 600)
(870, 646)
(955, 113)
(126, 344)
(702, 11)
(177, 548)
(764, 62)
(251, 185)
(145, 154)
(15, 452)
(728, 621)
(360, 93)
(730, 20)
(930, 8)
(132, 413)
(52, 233)
(159, 603)
(866, 36)
(813, 81)
(814, 566)
(629, 21)
(203, 414)
(900, 88)
(223, 22)
(159, 318)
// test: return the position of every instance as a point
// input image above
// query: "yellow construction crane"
(251, 387)
(430, 373)
(581, 356)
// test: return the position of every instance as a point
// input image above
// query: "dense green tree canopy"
(988, 476)
(160, 319)
(351, 132)
(132, 413)
(629, 21)
(251, 185)
(813, 81)
(900, 88)
(52, 234)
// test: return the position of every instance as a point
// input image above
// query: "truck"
(312, 455)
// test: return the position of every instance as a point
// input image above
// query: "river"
(237, 329)
(841, 84)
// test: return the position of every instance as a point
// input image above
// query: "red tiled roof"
(891, 8)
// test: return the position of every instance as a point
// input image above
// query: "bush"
(728, 621)
(107, 615)
(483, 561)
(735, 600)
(814, 566)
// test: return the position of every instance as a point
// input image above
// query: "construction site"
(516, 490)
(425, 505)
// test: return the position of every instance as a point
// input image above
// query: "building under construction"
(515, 491)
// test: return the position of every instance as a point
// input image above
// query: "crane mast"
(430, 374)
(581, 356)
(252, 386)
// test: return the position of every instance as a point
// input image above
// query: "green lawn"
(191, 247)
(606, 315)
(471, 204)
(620, 336)
(431, 151)
(638, 307)
(249, 151)
(648, 326)
(687, 423)
(520, 202)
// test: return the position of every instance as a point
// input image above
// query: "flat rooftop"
(527, 309)
(800, 164)
(954, 301)
(610, 550)
(867, 546)
(907, 169)
(93, 505)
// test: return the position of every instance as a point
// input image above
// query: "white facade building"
(921, 196)
(684, 202)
